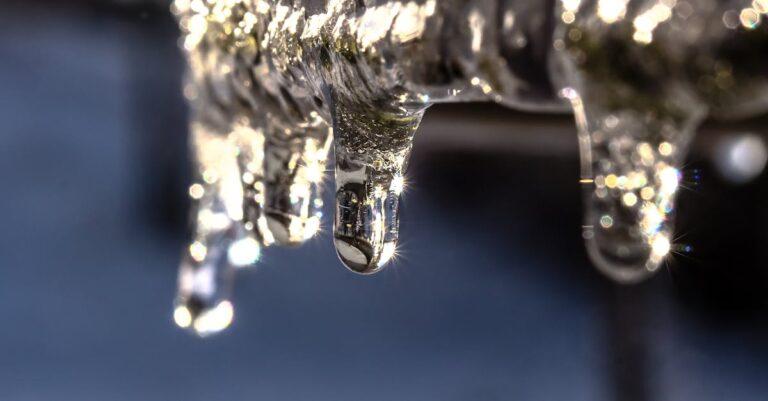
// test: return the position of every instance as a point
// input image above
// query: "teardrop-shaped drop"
(372, 150)
(637, 110)
(294, 168)
(630, 176)
(206, 274)
(203, 302)
(221, 243)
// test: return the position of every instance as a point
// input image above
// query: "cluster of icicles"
(273, 85)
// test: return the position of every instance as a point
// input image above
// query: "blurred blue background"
(490, 300)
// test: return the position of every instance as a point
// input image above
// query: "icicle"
(220, 241)
(630, 173)
(636, 113)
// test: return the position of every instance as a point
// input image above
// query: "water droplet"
(203, 303)
(369, 183)
(221, 243)
(630, 178)
(637, 110)
(294, 171)
(206, 276)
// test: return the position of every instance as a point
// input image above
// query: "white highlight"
(742, 159)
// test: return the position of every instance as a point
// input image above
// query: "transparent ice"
(276, 84)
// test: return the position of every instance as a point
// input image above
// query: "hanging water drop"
(203, 302)
(295, 163)
(636, 113)
(221, 242)
(220, 245)
(631, 176)
(372, 150)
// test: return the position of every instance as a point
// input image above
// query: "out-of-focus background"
(492, 298)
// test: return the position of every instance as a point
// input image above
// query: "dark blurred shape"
(725, 226)
(155, 89)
